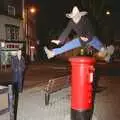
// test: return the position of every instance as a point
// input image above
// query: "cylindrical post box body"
(81, 87)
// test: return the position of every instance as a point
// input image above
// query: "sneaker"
(49, 53)
(57, 42)
(110, 50)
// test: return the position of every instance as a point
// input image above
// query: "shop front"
(6, 52)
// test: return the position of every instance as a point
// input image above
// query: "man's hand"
(85, 39)
(57, 42)
(98, 56)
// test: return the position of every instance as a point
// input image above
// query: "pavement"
(31, 103)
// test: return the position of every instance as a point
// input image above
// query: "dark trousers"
(18, 80)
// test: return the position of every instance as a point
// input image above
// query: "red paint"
(82, 72)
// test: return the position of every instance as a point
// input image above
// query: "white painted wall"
(9, 20)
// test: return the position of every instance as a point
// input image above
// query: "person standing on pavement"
(18, 68)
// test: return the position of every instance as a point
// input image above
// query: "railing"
(11, 106)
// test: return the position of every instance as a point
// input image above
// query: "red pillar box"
(82, 87)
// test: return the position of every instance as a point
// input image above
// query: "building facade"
(11, 29)
(17, 29)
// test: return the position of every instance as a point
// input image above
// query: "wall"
(9, 20)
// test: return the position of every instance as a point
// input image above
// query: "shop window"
(12, 33)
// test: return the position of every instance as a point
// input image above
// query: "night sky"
(51, 14)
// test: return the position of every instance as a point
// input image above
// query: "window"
(11, 10)
(12, 33)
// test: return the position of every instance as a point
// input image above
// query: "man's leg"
(95, 42)
(66, 47)
(20, 82)
(103, 51)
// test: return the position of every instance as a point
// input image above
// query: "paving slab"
(31, 103)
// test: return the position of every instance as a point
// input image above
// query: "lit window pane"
(11, 10)
(12, 33)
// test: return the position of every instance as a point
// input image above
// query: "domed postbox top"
(85, 60)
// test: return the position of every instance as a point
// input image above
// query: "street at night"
(59, 60)
(37, 75)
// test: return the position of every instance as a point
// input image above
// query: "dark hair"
(19, 49)
(84, 34)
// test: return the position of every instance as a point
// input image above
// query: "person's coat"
(18, 65)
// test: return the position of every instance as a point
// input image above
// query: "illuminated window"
(11, 10)
(12, 33)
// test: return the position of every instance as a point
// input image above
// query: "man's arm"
(66, 32)
(13, 64)
(23, 64)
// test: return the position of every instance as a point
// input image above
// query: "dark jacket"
(17, 65)
(83, 27)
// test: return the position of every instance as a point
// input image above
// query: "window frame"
(12, 32)
(11, 10)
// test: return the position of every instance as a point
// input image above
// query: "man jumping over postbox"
(81, 25)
